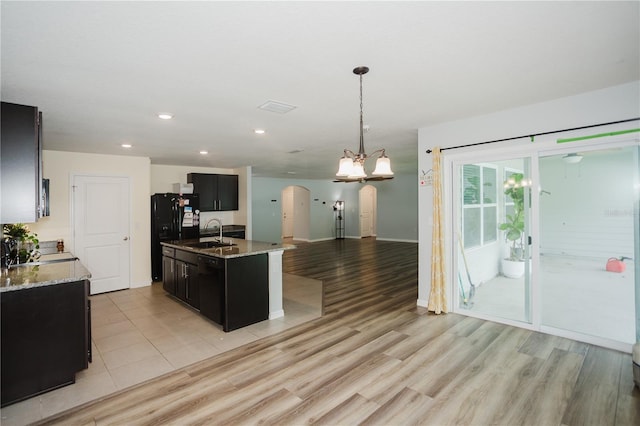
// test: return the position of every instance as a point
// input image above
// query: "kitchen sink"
(44, 262)
(210, 244)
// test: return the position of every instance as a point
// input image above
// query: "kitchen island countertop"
(50, 269)
(239, 248)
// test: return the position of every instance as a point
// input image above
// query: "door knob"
(126, 238)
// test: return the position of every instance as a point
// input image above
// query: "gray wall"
(397, 207)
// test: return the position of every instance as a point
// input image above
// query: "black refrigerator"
(173, 217)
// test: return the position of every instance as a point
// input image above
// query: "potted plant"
(23, 244)
(513, 266)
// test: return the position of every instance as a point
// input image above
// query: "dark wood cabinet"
(46, 338)
(187, 283)
(21, 164)
(217, 192)
(246, 298)
(169, 274)
(186, 278)
(233, 292)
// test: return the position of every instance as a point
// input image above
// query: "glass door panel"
(588, 218)
(493, 273)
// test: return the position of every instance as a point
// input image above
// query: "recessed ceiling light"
(204, 152)
(259, 131)
(126, 145)
(165, 116)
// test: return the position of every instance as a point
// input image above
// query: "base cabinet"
(180, 275)
(169, 275)
(233, 292)
(187, 287)
(46, 338)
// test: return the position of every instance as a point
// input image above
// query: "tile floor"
(142, 333)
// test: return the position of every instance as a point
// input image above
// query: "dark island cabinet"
(169, 270)
(231, 291)
(21, 164)
(46, 338)
(216, 192)
(187, 283)
(180, 275)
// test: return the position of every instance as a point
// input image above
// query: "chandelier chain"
(361, 153)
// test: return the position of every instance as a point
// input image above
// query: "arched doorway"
(368, 211)
(296, 213)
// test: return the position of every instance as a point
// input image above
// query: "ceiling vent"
(295, 151)
(277, 107)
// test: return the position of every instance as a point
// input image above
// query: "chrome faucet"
(215, 219)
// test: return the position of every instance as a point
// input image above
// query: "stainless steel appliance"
(173, 217)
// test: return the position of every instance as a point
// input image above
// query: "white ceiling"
(101, 71)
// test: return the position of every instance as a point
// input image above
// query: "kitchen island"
(234, 283)
(46, 325)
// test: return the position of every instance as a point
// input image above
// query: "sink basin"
(210, 244)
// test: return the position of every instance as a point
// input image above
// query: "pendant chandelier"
(351, 166)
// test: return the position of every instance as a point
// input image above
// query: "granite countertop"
(50, 269)
(239, 248)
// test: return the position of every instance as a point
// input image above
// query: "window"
(508, 202)
(480, 208)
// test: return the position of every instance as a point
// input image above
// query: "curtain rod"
(538, 134)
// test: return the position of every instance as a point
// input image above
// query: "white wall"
(590, 209)
(606, 105)
(58, 166)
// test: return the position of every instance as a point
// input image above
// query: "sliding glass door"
(551, 240)
(588, 220)
(493, 268)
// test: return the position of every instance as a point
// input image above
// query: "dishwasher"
(211, 276)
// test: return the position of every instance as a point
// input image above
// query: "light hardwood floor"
(376, 358)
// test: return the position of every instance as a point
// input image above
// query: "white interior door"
(301, 213)
(367, 211)
(101, 230)
(287, 212)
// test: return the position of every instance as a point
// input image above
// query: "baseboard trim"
(276, 314)
(141, 284)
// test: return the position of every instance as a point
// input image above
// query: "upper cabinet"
(217, 192)
(21, 164)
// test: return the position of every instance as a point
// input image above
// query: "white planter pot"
(512, 269)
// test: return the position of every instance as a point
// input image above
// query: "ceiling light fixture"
(126, 145)
(259, 131)
(572, 158)
(351, 166)
(204, 152)
(165, 116)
